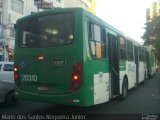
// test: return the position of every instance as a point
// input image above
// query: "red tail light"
(16, 75)
(76, 77)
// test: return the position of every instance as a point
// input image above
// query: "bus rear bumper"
(76, 99)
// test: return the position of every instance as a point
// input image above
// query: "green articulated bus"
(69, 56)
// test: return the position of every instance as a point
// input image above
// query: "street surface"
(144, 99)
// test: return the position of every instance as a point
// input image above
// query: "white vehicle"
(7, 83)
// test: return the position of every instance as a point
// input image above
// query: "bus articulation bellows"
(71, 57)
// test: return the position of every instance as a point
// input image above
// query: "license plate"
(43, 88)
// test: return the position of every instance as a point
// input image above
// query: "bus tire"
(145, 78)
(124, 89)
(10, 98)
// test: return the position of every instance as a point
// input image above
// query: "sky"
(128, 16)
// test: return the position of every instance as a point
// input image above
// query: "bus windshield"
(46, 31)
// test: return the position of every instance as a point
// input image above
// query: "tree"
(152, 35)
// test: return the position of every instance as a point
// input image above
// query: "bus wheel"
(145, 78)
(124, 89)
(10, 98)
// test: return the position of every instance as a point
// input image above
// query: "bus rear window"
(46, 31)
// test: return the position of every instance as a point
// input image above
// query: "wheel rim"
(11, 99)
(125, 90)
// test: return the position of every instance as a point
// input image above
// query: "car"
(7, 92)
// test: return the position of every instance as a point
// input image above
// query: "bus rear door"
(114, 63)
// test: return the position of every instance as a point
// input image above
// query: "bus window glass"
(122, 41)
(122, 48)
(98, 50)
(97, 33)
(130, 51)
(91, 31)
(93, 48)
(143, 54)
(46, 31)
(97, 41)
(140, 54)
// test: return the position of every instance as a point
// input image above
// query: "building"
(48, 4)
(158, 8)
(10, 11)
(93, 7)
(147, 14)
(89, 5)
(154, 10)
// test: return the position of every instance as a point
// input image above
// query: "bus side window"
(97, 41)
(122, 48)
(140, 54)
(0, 66)
(129, 51)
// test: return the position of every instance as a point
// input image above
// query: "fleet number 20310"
(29, 78)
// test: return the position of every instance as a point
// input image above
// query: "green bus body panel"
(56, 78)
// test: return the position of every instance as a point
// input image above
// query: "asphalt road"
(144, 99)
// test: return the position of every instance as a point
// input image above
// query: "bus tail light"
(76, 77)
(16, 75)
